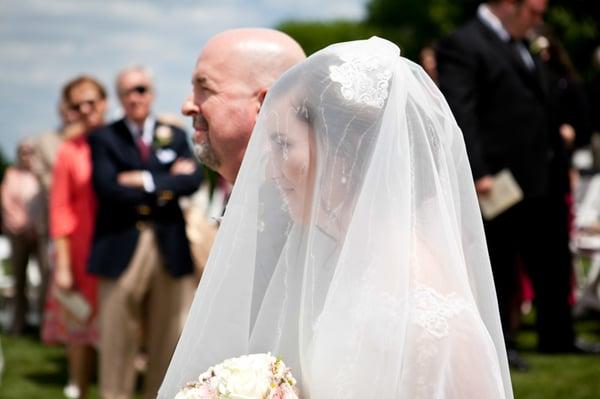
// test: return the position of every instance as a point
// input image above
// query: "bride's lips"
(284, 188)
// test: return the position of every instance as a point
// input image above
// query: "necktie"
(143, 148)
(520, 49)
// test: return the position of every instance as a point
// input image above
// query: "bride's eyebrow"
(278, 137)
(301, 111)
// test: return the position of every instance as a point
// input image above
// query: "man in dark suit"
(495, 88)
(140, 252)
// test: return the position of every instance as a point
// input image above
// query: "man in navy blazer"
(140, 251)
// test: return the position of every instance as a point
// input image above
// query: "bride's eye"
(280, 140)
(281, 144)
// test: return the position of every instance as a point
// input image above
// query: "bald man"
(233, 73)
(231, 78)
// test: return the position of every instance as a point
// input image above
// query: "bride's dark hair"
(342, 127)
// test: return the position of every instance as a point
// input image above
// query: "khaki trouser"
(145, 304)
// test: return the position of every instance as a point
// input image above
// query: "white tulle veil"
(352, 245)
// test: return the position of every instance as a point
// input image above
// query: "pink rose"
(283, 392)
(206, 392)
(197, 391)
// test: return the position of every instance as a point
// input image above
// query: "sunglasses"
(78, 106)
(141, 89)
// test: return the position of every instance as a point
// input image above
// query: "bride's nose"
(273, 171)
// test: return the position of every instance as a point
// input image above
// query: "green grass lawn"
(35, 371)
(558, 376)
(31, 369)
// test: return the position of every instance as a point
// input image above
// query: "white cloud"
(14, 51)
(318, 9)
(43, 43)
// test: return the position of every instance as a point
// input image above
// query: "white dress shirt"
(491, 20)
(147, 137)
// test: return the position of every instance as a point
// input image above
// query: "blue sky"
(43, 43)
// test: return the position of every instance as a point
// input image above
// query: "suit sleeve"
(105, 173)
(458, 71)
(178, 185)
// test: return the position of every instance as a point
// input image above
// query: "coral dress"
(72, 214)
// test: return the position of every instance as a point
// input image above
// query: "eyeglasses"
(78, 106)
(140, 89)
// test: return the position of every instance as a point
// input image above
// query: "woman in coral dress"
(71, 306)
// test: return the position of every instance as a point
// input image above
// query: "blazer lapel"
(152, 157)
(540, 75)
(130, 146)
(531, 78)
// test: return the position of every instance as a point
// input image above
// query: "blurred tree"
(313, 36)
(4, 163)
(409, 23)
(412, 24)
(577, 24)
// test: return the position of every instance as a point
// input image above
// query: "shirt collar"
(491, 21)
(148, 127)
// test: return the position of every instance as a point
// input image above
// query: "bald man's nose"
(188, 108)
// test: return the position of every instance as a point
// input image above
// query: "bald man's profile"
(233, 73)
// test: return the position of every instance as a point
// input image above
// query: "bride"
(352, 246)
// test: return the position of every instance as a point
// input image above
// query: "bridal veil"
(352, 245)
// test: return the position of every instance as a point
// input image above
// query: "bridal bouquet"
(257, 376)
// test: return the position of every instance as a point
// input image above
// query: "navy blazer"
(501, 106)
(122, 210)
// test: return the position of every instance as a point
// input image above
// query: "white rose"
(164, 135)
(246, 377)
(207, 375)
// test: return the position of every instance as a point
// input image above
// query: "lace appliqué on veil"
(432, 310)
(363, 81)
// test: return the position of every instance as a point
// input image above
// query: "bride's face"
(292, 159)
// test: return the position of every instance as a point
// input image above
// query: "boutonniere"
(539, 45)
(163, 136)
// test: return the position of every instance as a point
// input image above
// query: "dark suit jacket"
(122, 209)
(500, 105)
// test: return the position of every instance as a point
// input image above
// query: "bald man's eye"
(203, 91)
(207, 89)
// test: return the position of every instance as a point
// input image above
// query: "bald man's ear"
(262, 93)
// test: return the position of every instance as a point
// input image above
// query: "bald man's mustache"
(199, 123)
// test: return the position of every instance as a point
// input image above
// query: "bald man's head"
(232, 76)
(260, 55)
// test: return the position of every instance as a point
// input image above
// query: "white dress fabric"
(352, 245)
